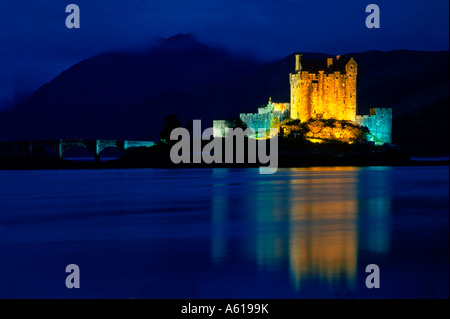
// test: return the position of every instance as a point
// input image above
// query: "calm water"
(203, 233)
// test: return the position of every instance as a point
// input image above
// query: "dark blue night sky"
(35, 44)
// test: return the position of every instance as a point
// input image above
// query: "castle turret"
(329, 62)
(351, 70)
(297, 62)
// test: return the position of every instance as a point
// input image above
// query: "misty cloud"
(35, 45)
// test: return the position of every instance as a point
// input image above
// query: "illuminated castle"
(324, 89)
(321, 89)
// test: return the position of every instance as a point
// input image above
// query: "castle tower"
(324, 89)
(295, 86)
(351, 68)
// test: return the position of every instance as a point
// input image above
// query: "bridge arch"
(97, 146)
(56, 148)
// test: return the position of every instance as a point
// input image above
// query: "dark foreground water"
(202, 233)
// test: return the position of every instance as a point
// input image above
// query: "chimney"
(297, 62)
(329, 62)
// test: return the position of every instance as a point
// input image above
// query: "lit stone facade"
(219, 127)
(324, 89)
(263, 119)
(379, 123)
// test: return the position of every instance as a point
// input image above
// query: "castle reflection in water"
(314, 220)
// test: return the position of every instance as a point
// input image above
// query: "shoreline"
(120, 164)
(291, 153)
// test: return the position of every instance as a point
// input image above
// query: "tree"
(332, 130)
(170, 122)
(235, 123)
(290, 126)
(275, 123)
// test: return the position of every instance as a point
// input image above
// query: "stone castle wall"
(379, 123)
(265, 115)
(219, 127)
(324, 95)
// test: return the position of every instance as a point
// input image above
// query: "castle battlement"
(255, 115)
(381, 111)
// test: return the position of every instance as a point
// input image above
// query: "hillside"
(127, 95)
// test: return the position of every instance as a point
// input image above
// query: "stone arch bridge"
(33, 148)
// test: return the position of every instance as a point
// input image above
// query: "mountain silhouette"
(127, 94)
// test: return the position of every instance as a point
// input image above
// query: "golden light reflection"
(323, 235)
(306, 219)
(219, 204)
(324, 169)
